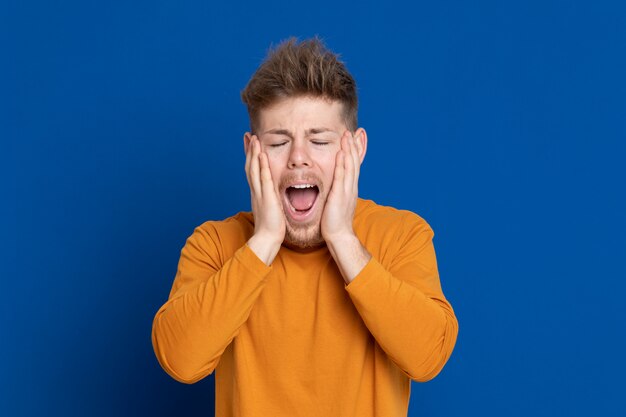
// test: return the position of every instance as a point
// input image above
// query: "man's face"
(301, 137)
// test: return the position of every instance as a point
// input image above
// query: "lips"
(300, 199)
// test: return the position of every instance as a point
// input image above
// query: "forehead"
(300, 113)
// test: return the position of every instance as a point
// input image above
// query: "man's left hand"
(338, 214)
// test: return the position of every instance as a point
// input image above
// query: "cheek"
(276, 166)
(326, 156)
(328, 168)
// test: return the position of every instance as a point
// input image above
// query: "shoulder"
(384, 230)
(235, 227)
(385, 218)
(222, 238)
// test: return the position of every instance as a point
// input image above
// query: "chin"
(304, 237)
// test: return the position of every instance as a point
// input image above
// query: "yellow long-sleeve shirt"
(292, 339)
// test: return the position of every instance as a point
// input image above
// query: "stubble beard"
(304, 236)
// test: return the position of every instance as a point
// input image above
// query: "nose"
(298, 155)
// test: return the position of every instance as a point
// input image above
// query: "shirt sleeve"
(208, 304)
(404, 308)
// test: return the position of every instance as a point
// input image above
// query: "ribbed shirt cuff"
(371, 270)
(251, 262)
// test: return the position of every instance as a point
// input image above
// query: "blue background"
(501, 123)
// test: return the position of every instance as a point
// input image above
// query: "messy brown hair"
(305, 68)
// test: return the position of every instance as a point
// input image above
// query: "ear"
(247, 138)
(361, 138)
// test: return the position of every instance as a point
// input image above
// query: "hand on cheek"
(341, 202)
(269, 219)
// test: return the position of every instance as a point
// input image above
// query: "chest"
(304, 299)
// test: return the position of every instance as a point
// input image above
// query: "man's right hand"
(269, 219)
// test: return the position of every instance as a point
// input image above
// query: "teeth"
(303, 186)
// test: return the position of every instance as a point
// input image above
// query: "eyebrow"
(307, 132)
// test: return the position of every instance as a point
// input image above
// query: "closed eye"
(317, 142)
(276, 145)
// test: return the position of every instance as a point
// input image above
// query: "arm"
(404, 308)
(402, 305)
(207, 306)
(212, 299)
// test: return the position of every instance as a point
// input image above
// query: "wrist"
(349, 254)
(341, 239)
(265, 246)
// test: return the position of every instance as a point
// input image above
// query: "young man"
(317, 303)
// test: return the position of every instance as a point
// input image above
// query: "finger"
(339, 171)
(255, 176)
(248, 158)
(344, 139)
(355, 152)
(348, 166)
(356, 161)
(267, 185)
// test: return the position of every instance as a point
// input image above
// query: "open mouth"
(301, 199)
